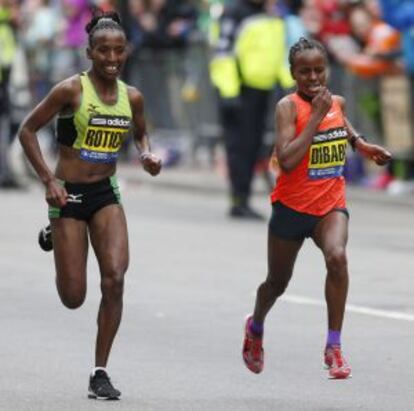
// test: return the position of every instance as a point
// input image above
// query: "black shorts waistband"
(93, 185)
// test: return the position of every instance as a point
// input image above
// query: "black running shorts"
(85, 199)
(290, 224)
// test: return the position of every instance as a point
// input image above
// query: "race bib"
(327, 154)
(104, 137)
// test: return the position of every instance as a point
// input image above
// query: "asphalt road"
(191, 282)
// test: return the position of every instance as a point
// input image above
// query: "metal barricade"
(180, 102)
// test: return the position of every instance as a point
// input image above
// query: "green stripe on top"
(115, 188)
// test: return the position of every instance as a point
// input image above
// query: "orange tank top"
(316, 185)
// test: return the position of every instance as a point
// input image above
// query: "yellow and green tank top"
(97, 129)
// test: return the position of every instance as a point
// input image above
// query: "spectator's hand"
(151, 163)
(376, 153)
(56, 195)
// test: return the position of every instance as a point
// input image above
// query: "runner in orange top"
(309, 198)
(311, 187)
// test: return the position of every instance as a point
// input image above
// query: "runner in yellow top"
(97, 129)
(95, 113)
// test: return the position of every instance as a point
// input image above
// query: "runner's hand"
(322, 102)
(151, 163)
(56, 195)
(376, 153)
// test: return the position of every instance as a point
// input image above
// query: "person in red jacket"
(309, 198)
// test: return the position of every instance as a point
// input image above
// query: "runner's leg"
(281, 260)
(70, 247)
(109, 238)
(331, 236)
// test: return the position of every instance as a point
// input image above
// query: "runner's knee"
(72, 298)
(277, 285)
(336, 261)
(112, 285)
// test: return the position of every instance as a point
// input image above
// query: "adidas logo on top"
(110, 122)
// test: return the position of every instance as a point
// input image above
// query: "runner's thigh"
(70, 246)
(282, 255)
(109, 238)
(332, 231)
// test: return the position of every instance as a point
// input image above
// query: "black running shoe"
(101, 388)
(45, 239)
(245, 213)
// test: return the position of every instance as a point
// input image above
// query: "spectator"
(295, 26)
(249, 59)
(334, 19)
(39, 37)
(105, 5)
(400, 14)
(380, 46)
(378, 55)
(328, 21)
(158, 30)
(161, 24)
(8, 21)
(71, 56)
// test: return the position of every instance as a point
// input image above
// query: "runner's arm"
(59, 98)
(290, 150)
(150, 162)
(374, 152)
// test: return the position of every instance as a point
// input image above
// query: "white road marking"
(394, 315)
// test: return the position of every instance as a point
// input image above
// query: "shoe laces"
(256, 347)
(338, 359)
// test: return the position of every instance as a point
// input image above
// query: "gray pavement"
(210, 180)
(192, 280)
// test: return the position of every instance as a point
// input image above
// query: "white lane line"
(394, 315)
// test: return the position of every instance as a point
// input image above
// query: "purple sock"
(334, 338)
(256, 328)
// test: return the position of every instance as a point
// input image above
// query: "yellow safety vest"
(7, 40)
(258, 59)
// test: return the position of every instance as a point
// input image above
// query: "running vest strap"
(97, 129)
(316, 185)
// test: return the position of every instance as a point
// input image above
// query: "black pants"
(4, 94)
(243, 130)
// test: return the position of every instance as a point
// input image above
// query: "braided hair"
(103, 21)
(305, 44)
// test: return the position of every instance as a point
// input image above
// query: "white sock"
(96, 369)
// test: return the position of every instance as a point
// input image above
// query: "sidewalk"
(203, 180)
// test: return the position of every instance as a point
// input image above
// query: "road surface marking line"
(394, 315)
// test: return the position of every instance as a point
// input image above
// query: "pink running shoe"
(253, 354)
(336, 363)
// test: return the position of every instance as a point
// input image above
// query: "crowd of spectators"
(43, 41)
